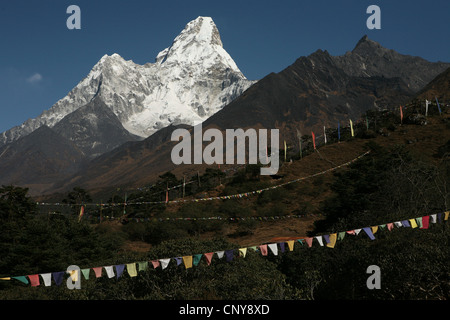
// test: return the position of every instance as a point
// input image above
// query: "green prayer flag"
(143, 265)
(85, 273)
(419, 222)
(341, 235)
(21, 279)
(196, 259)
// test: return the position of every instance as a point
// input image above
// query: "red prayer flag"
(34, 280)
(425, 222)
(208, 257)
(263, 249)
(98, 272)
(314, 140)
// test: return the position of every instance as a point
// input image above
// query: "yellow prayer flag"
(243, 252)
(413, 223)
(374, 229)
(446, 215)
(131, 268)
(351, 128)
(187, 261)
(74, 275)
(291, 244)
(7, 278)
(332, 238)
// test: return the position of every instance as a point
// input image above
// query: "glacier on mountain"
(189, 81)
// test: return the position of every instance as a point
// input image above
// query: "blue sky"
(41, 60)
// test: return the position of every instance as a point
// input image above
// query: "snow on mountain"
(188, 82)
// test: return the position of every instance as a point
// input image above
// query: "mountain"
(312, 92)
(38, 159)
(94, 129)
(369, 59)
(439, 88)
(189, 81)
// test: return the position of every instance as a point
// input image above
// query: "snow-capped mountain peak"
(190, 80)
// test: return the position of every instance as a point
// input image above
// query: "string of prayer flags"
(194, 260)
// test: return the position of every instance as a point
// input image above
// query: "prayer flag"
(97, 271)
(229, 255)
(109, 271)
(419, 222)
(332, 240)
(351, 128)
(143, 265)
(81, 213)
(309, 241)
(446, 213)
(319, 239)
(187, 260)
(390, 226)
(413, 223)
(314, 140)
(58, 277)
(47, 277)
(242, 252)
(341, 235)
(291, 244)
(369, 233)
(131, 269)
(21, 279)
(405, 223)
(263, 249)
(401, 114)
(273, 247)
(208, 257)
(220, 254)
(155, 264)
(197, 259)
(425, 222)
(339, 132)
(325, 134)
(439, 107)
(374, 229)
(164, 263)
(119, 270)
(285, 150)
(34, 280)
(85, 273)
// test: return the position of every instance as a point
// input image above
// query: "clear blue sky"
(41, 60)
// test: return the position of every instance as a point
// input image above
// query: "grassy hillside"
(405, 175)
